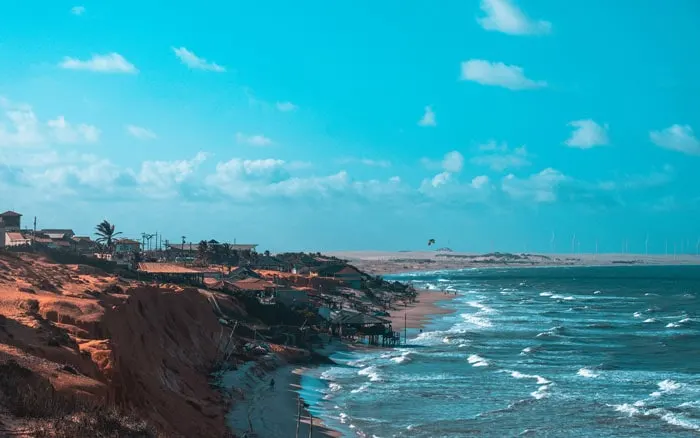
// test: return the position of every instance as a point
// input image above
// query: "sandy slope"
(142, 347)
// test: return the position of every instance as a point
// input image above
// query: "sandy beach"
(417, 314)
(271, 412)
(394, 262)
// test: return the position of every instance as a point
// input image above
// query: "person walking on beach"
(272, 384)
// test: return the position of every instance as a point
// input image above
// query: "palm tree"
(203, 251)
(226, 253)
(106, 234)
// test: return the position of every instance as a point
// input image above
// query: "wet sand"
(273, 412)
(417, 314)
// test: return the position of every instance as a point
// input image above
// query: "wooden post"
(311, 424)
(298, 414)
(405, 324)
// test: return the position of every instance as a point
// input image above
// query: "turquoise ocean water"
(541, 352)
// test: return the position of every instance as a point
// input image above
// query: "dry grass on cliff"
(44, 412)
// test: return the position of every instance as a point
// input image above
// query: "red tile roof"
(165, 268)
(15, 236)
(253, 284)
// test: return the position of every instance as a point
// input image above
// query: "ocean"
(541, 352)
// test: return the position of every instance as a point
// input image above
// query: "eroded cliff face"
(134, 346)
(163, 344)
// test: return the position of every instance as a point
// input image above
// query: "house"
(13, 238)
(254, 285)
(10, 221)
(83, 245)
(293, 296)
(171, 273)
(242, 273)
(126, 246)
(346, 273)
(57, 233)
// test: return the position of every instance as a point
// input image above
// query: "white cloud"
(253, 140)
(110, 63)
(540, 187)
(24, 129)
(195, 62)
(286, 106)
(428, 118)
(453, 162)
(498, 74)
(441, 179)
(141, 133)
(63, 132)
(587, 134)
(504, 16)
(249, 179)
(502, 157)
(678, 138)
(366, 162)
(479, 182)
(160, 179)
(77, 10)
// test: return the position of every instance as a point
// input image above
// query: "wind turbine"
(573, 244)
(697, 248)
(666, 247)
(646, 245)
(552, 243)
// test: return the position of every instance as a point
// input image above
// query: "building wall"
(292, 296)
(2, 237)
(10, 242)
(11, 222)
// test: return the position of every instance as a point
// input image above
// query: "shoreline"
(395, 263)
(262, 411)
(417, 315)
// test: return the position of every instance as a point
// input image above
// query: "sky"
(507, 125)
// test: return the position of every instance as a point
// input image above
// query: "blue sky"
(485, 124)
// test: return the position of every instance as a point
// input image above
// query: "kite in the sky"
(431, 242)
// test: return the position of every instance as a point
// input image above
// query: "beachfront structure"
(55, 234)
(172, 273)
(13, 238)
(10, 221)
(263, 290)
(126, 246)
(346, 273)
(241, 273)
(350, 323)
(293, 296)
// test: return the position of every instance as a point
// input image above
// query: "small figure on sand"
(272, 384)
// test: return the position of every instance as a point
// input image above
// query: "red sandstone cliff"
(137, 347)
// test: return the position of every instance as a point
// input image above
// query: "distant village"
(353, 302)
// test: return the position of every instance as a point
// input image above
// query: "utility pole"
(34, 234)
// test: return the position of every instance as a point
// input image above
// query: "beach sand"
(415, 315)
(269, 412)
(388, 262)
